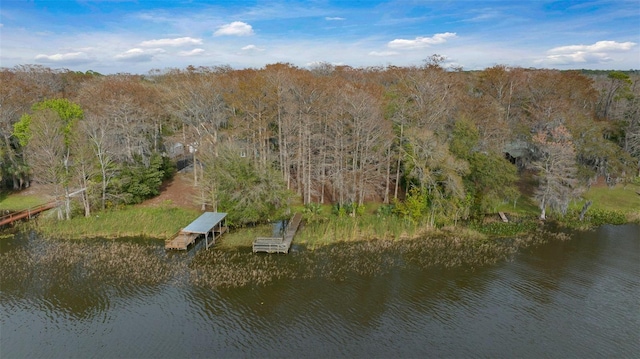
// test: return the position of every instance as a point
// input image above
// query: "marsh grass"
(243, 237)
(59, 268)
(347, 228)
(153, 222)
(52, 267)
(515, 226)
(447, 248)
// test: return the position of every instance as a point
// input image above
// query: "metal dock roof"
(205, 222)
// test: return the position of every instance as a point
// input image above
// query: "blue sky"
(137, 36)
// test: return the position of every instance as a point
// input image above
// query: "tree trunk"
(195, 169)
(395, 193)
(543, 210)
(67, 204)
(388, 177)
(584, 210)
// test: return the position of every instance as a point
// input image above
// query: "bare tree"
(48, 155)
(99, 133)
(195, 98)
(556, 169)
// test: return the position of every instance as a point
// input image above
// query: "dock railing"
(278, 244)
(25, 213)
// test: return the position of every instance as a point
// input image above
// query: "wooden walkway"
(26, 213)
(278, 244)
(181, 241)
(208, 223)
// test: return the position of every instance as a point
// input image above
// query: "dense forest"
(436, 144)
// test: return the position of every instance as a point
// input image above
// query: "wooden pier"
(208, 223)
(26, 213)
(278, 244)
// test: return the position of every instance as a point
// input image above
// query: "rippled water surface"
(573, 298)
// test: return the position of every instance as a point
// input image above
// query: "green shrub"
(312, 213)
(385, 210)
(346, 209)
(595, 217)
(501, 229)
(138, 182)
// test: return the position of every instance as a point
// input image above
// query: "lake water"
(578, 298)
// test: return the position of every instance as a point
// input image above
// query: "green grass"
(321, 229)
(154, 222)
(619, 204)
(244, 237)
(623, 198)
(368, 226)
(17, 201)
(523, 206)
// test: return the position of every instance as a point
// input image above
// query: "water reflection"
(431, 297)
(78, 279)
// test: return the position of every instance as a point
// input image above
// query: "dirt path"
(179, 192)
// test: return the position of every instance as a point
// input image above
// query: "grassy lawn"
(155, 222)
(523, 206)
(623, 197)
(166, 220)
(244, 237)
(17, 201)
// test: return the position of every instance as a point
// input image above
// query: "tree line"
(440, 145)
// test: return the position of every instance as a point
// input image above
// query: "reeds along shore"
(368, 257)
(121, 266)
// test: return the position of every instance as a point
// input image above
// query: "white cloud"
(180, 41)
(335, 18)
(577, 58)
(138, 55)
(383, 53)
(66, 58)
(421, 42)
(600, 52)
(598, 47)
(236, 28)
(320, 64)
(193, 52)
(251, 48)
(485, 14)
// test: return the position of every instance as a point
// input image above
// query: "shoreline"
(312, 236)
(161, 218)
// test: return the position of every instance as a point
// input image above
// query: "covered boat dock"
(208, 223)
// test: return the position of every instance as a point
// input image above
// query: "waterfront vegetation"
(325, 226)
(339, 245)
(152, 222)
(18, 201)
(373, 153)
(336, 261)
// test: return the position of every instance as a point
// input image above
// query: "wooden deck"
(209, 223)
(181, 241)
(278, 244)
(26, 213)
